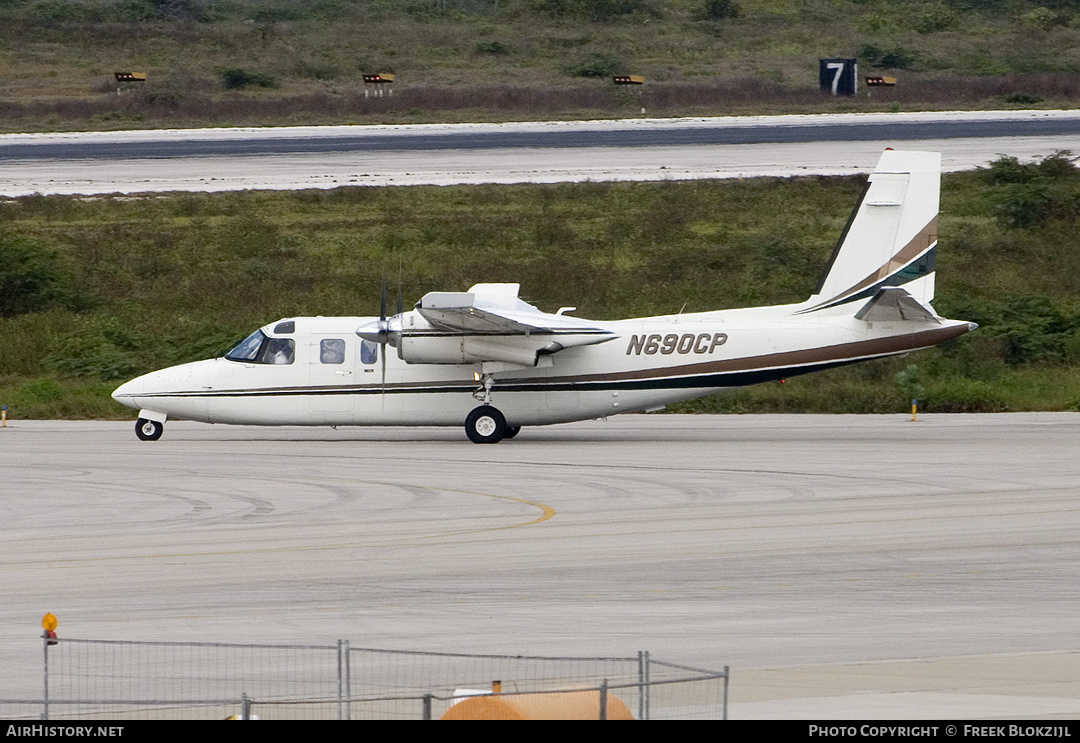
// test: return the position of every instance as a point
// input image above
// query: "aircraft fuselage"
(649, 363)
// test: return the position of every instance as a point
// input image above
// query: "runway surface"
(843, 566)
(443, 154)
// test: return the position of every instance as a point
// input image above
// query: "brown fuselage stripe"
(915, 247)
(806, 357)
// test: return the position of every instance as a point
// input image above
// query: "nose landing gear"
(148, 430)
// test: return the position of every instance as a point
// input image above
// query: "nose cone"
(164, 382)
(126, 393)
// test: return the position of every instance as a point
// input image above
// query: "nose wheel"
(486, 425)
(148, 430)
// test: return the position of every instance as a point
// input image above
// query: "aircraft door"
(332, 374)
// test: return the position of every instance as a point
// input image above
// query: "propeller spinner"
(384, 330)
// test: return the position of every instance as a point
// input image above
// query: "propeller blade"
(399, 287)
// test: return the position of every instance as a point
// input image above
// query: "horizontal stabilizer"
(893, 304)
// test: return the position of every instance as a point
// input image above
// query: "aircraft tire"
(511, 432)
(485, 425)
(148, 430)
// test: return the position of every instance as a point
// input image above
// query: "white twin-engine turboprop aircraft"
(490, 361)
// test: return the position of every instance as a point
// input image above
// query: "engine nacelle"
(469, 349)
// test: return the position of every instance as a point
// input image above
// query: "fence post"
(643, 684)
(344, 686)
(348, 682)
(727, 679)
(427, 707)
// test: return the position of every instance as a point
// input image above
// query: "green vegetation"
(234, 62)
(96, 290)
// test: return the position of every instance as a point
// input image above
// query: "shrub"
(1029, 194)
(897, 58)
(877, 24)
(1009, 169)
(40, 390)
(188, 10)
(106, 348)
(1020, 97)
(934, 19)
(492, 47)
(33, 277)
(132, 10)
(909, 383)
(62, 11)
(965, 396)
(719, 10)
(597, 65)
(595, 10)
(237, 77)
(1043, 18)
(1021, 205)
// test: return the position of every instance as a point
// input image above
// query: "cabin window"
(369, 352)
(258, 349)
(332, 351)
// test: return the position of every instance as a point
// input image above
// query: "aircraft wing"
(473, 313)
(490, 324)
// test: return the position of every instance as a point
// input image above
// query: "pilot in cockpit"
(278, 351)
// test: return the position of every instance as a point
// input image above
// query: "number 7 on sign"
(838, 69)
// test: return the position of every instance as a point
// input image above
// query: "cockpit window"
(248, 349)
(257, 348)
(286, 327)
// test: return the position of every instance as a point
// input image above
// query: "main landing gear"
(148, 430)
(486, 424)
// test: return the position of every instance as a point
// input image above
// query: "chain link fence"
(121, 679)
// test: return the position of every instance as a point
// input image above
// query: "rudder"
(891, 237)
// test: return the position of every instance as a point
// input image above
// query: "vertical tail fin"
(891, 237)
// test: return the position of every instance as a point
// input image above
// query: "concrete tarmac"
(843, 566)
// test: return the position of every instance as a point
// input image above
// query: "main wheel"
(148, 430)
(511, 432)
(485, 425)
